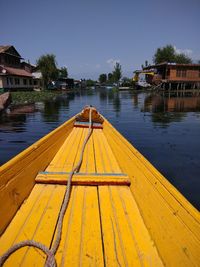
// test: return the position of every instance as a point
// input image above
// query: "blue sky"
(89, 36)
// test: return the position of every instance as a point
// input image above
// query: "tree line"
(170, 55)
(50, 72)
(113, 77)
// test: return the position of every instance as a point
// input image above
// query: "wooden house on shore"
(14, 74)
(173, 75)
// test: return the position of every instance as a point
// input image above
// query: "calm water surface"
(164, 129)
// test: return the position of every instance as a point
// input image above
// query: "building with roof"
(179, 75)
(14, 74)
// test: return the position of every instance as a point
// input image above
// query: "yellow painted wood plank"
(110, 156)
(8, 238)
(45, 230)
(173, 197)
(91, 164)
(83, 179)
(29, 229)
(134, 246)
(68, 253)
(17, 189)
(126, 205)
(160, 184)
(88, 164)
(38, 226)
(165, 226)
(64, 154)
(114, 239)
(84, 163)
(81, 243)
(79, 148)
(69, 161)
(103, 151)
(56, 164)
(91, 240)
(100, 164)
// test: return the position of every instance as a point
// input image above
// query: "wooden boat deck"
(102, 226)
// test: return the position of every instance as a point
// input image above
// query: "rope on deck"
(51, 261)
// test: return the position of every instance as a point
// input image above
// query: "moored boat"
(121, 210)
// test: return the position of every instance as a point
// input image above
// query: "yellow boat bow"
(121, 211)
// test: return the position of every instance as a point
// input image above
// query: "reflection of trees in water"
(165, 118)
(52, 108)
(135, 100)
(112, 97)
(154, 103)
(103, 96)
(51, 111)
(13, 123)
(116, 103)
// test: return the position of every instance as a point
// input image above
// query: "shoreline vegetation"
(29, 97)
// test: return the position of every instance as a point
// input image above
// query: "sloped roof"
(15, 71)
(3, 48)
(171, 64)
(6, 48)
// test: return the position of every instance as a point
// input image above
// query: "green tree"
(110, 78)
(102, 78)
(48, 67)
(168, 54)
(90, 83)
(117, 73)
(183, 59)
(63, 72)
(165, 54)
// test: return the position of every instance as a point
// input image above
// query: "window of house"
(35, 82)
(7, 80)
(30, 82)
(17, 81)
(11, 80)
(178, 73)
(181, 73)
(24, 81)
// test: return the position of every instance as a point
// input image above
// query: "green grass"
(32, 96)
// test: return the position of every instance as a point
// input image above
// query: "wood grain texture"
(17, 177)
(172, 221)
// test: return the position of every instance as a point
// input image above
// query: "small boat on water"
(120, 211)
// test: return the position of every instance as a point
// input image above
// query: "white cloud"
(112, 62)
(186, 51)
(97, 66)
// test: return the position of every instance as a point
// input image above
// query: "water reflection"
(161, 103)
(12, 123)
(112, 97)
(135, 100)
(166, 109)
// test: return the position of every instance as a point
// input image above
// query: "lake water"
(165, 129)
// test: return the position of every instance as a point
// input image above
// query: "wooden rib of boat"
(122, 211)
